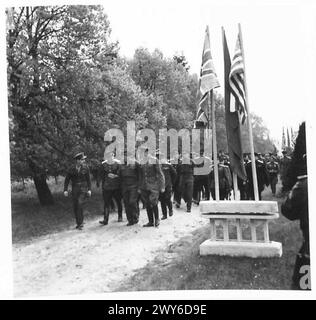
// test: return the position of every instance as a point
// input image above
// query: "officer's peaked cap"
(80, 156)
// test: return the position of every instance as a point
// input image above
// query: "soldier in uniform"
(170, 175)
(273, 171)
(225, 180)
(111, 188)
(284, 164)
(129, 175)
(79, 175)
(176, 187)
(152, 182)
(185, 172)
(243, 185)
(201, 180)
(295, 207)
(262, 177)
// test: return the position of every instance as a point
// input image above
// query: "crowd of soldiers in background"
(150, 184)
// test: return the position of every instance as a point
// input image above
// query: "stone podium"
(234, 215)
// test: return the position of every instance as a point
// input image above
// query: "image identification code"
(158, 309)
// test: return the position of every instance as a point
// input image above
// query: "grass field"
(31, 220)
(185, 269)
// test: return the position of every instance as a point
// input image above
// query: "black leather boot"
(150, 218)
(156, 214)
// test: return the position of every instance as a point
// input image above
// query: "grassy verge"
(180, 267)
(31, 220)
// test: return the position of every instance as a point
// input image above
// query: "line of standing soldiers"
(154, 181)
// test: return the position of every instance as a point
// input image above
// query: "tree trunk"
(44, 195)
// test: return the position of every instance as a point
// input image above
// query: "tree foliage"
(169, 83)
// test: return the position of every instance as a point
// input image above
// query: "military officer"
(176, 187)
(111, 188)
(201, 180)
(79, 176)
(129, 175)
(262, 177)
(273, 171)
(284, 164)
(170, 175)
(295, 207)
(186, 179)
(224, 179)
(152, 182)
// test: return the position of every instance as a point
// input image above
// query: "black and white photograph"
(157, 148)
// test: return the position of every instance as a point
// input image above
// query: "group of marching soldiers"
(184, 176)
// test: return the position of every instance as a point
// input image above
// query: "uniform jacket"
(79, 178)
(284, 163)
(262, 174)
(170, 174)
(129, 175)
(151, 177)
(186, 170)
(224, 177)
(272, 167)
(106, 168)
(295, 206)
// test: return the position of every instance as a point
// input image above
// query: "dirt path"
(96, 259)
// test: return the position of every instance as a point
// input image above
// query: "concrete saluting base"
(239, 248)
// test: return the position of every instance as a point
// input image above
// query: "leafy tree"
(168, 81)
(46, 49)
(181, 59)
(261, 140)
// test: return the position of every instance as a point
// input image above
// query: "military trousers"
(201, 186)
(108, 196)
(186, 189)
(151, 198)
(252, 194)
(165, 201)
(223, 194)
(79, 197)
(273, 179)
(130, 199)
(244, 192)
(176, 191)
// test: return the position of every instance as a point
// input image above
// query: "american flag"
(237, 82)
(208, 79)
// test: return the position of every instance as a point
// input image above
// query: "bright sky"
(278, 40)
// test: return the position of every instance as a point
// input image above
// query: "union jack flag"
(208, 79)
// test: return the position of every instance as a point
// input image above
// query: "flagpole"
(212, 106)
(252, 153)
